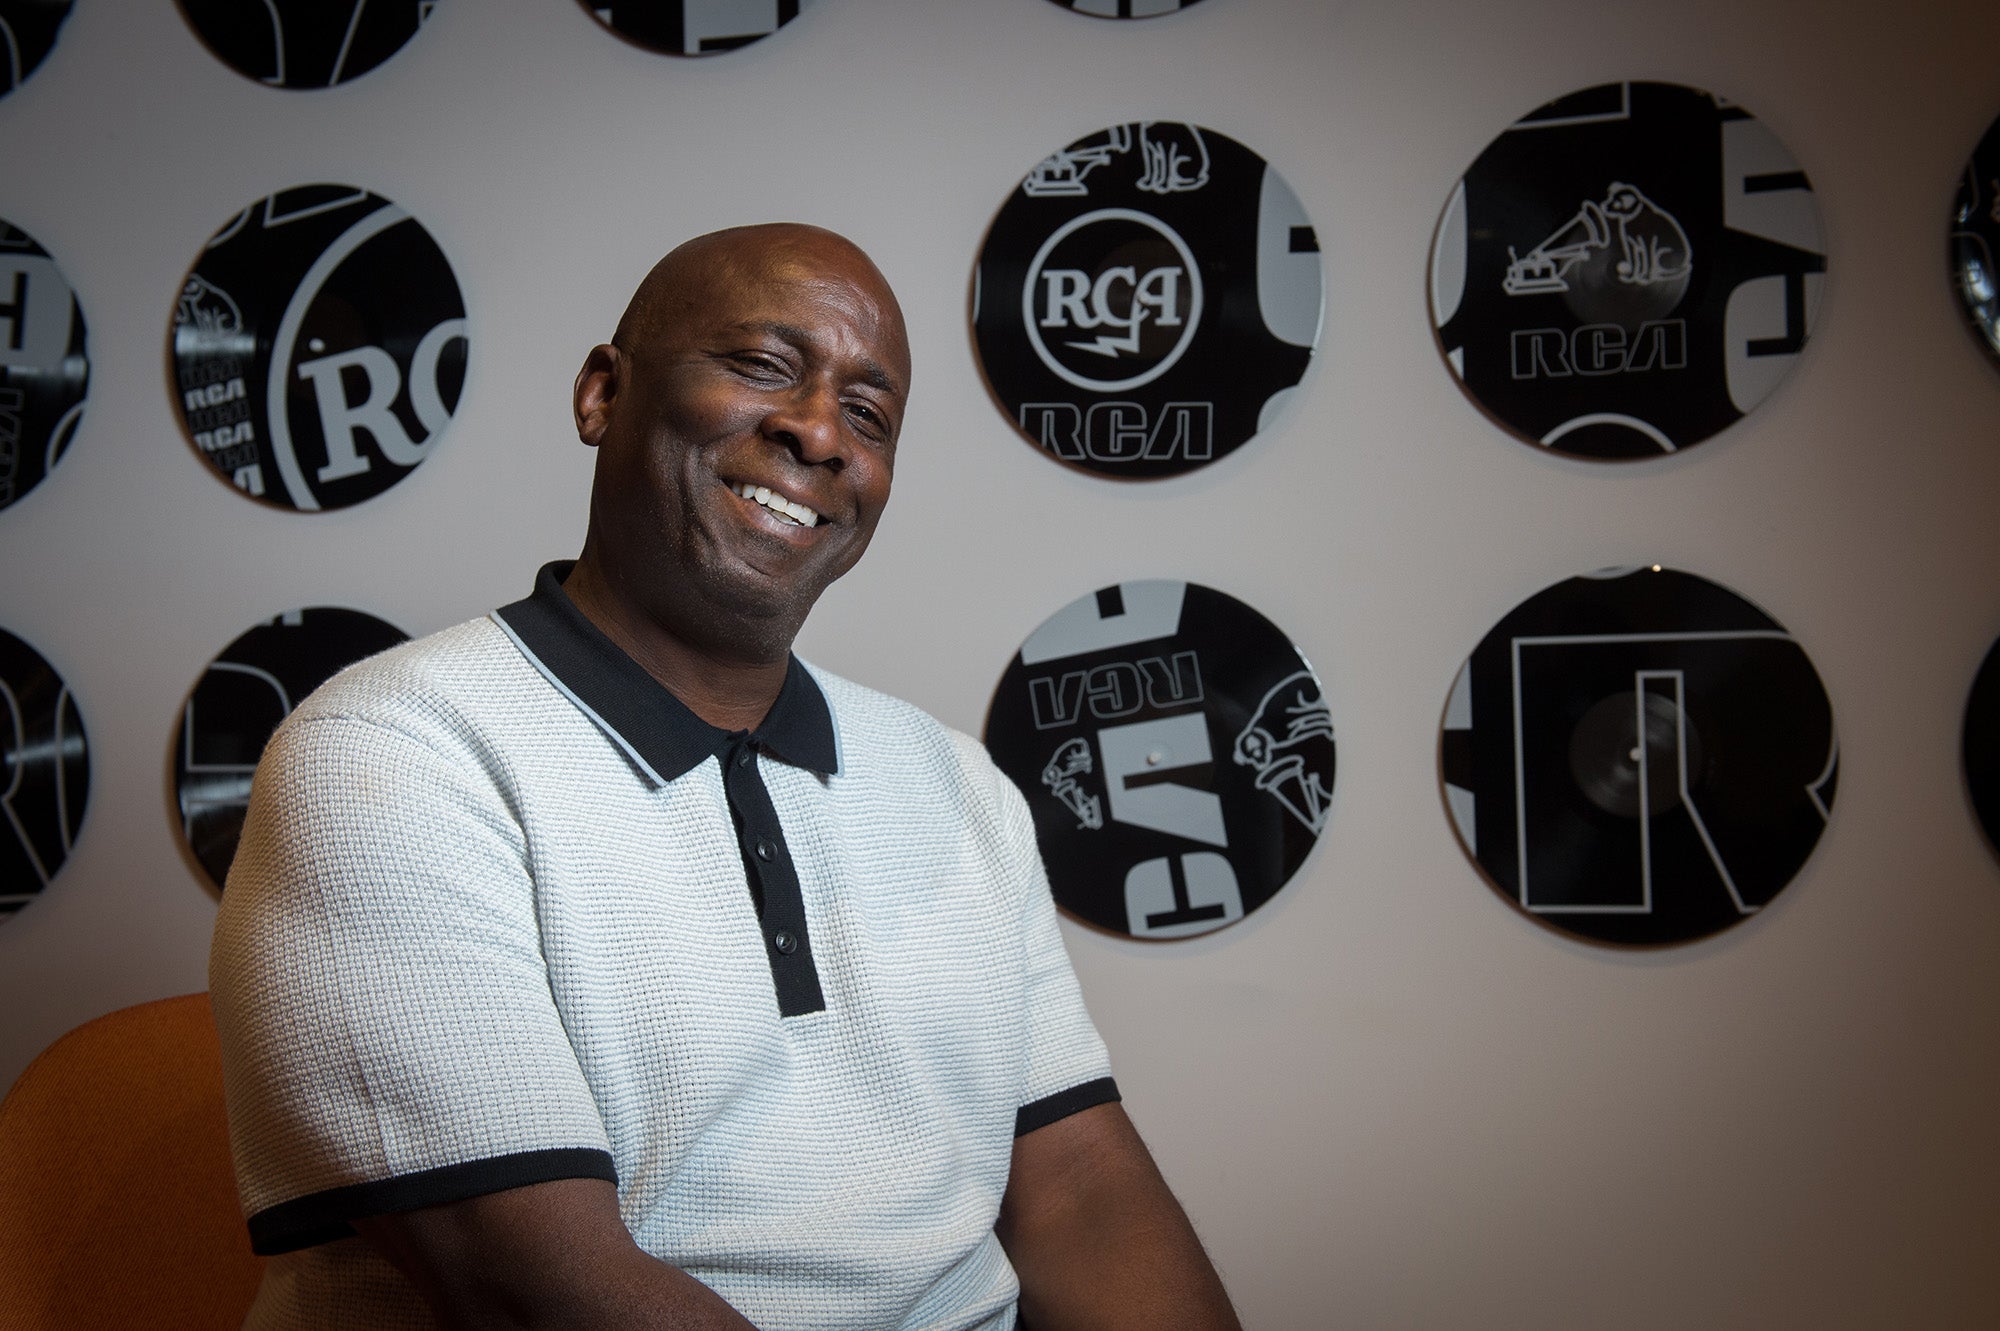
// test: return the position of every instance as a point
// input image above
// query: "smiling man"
(599, 964)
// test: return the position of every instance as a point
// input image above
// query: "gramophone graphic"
(1071, 761)
(1290, 744)
(1651, 247)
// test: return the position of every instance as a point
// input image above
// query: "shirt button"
(784, 942)
(765, 850)
(743, 758)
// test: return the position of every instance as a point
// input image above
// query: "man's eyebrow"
(872, 372)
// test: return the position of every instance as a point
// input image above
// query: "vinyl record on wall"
(44, 368)
(28, 31)
(305, 43)
(1175, 751)
(1638, 756)
(1975, 240)
(1627, 270)
(1125, 8)
(250, 687)
(702, 28)
(1147, 299)
(44, 773)
(318, 347)
(1982, 746)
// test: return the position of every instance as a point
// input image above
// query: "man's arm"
(552, 1255)
(1099, 1242)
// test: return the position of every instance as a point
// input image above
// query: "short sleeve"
(1068, 1068)
(389, 1038)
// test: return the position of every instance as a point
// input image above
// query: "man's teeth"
(780, 505)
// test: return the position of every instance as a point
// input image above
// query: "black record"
(318, 347)
(252, 685)
(44, 773)
(44, 369)
(28, 30)
(305, 43)
(1627, 270)
(698, 29)
(1639, 756)
(1125, 8)
(1175, 751)
(1982, 746)
(1147, 299)
(1975, 241)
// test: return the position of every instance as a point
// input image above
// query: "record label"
(1175, 751)
(318, 347)
(1975, 240)
(1147, 299)
(44, 371)
(1125, 8)
(28, 30)
(1627, 270)
(699, 27)
(237, 704)
(1638, 756)
(44, 773)
(1982, 746)
(305, 43)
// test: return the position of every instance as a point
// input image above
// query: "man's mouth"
(785, 508)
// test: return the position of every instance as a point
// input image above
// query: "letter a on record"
(1175, 751)
(1627, 270)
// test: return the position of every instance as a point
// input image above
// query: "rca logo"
(343, 418)
(1112, 300)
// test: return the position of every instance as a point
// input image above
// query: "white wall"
(1388, 1099)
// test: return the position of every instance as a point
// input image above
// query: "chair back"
(117, 1200)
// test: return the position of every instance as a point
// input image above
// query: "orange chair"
(117, 1205)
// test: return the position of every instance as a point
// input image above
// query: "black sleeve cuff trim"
(1062, 1104)
(323, 1216)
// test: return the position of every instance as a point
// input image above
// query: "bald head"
(693, 275)
(746, 416)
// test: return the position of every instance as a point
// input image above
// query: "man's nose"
(808, 423)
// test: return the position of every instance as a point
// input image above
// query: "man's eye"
(760, 366)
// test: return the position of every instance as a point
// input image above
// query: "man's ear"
(597, 385)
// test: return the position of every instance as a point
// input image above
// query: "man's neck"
(727, 692)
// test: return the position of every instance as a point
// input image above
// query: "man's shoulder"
(449, 669)
(872, 725)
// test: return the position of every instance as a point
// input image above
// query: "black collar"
(638, 713)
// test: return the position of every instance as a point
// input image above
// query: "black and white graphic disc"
(1125, 8)
(239, 701)
(1639, 756)
(318, 347)
(698, 27)
(1982, 746)
(44, 773)
(44, 371)
(305, 43)
(1975, 240)
(1627, 270)
(28, 30)
(1147, 299)
(1175, 750)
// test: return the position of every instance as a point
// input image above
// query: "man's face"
(748, 437)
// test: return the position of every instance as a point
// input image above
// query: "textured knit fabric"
(469, 942)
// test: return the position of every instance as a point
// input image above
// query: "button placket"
(775, 884)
